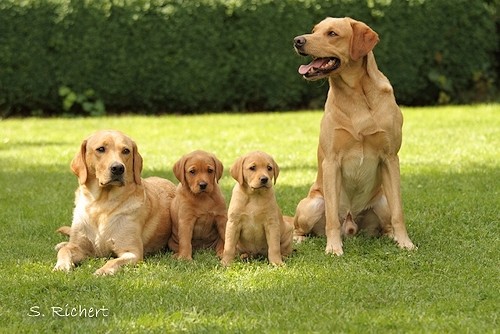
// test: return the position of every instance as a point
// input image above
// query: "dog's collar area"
(319, 66)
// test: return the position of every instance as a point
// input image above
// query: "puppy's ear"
(179, 170)
(236, 170)
(78, 164)
(219, 168)
(363, 40)
(276, 170)
(137, 164)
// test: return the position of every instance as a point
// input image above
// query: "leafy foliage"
(151, 56)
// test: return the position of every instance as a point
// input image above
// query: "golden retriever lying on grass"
(358, 179)
(198, 210)
(255, 224)
(117, 213)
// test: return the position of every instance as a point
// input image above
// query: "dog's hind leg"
(309, 218)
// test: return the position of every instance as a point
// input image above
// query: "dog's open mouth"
(319, 67)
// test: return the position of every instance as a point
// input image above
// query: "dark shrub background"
(153, 56)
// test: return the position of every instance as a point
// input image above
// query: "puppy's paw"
(334, 249)
(279, 263)
(226, 261)
(178, 256)
(406, 244)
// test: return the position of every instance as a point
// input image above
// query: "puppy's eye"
(269, 168)
(210, 171)
(101, 149)
(332, 34)
(252, 168)
(125, 151)
(192, 171)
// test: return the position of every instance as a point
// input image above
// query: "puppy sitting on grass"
(255, 224)
(198, 210)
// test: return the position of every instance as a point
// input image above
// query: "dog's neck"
(351, 76)
(366, 91)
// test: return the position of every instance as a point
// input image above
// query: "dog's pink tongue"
(316, 63)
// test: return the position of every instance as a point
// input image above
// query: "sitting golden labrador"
(358, 179)
(255, 224)
(117, 213)
(198, 210)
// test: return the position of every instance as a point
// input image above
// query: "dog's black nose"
(203, 185)
(299, 41)
(264, 179)
(117, 168)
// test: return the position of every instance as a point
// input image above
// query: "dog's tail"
(64, 230)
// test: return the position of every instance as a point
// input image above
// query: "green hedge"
(150, 56)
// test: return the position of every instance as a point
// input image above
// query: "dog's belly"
(361, 182)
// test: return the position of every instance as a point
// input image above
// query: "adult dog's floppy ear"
(219, 168)
(236, 170)
(178, 169)
(137, 164)
(363, 40)
(78, 165)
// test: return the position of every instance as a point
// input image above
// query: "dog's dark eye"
(332, 34)
(100, 149)
(192, 171)
(210, 170)
(269, 168)
(126, 151)
(252, 168)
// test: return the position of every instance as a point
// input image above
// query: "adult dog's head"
(255, 171)
(108, 157)
(199, 171)
(333, 44)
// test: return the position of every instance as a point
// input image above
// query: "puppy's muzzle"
(203, 186)
(264, 180)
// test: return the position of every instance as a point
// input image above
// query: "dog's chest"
(253, 233)
(98, 224)
(360, 173)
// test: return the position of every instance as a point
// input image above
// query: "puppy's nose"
(299, 41)
(264, 179)
(117, 168)
(203, 185)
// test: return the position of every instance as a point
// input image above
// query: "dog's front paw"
(226, 261)
(105, 271)
(299, 238)
(179, 256)
(63, 266)
(60, 245)
(405, 244)
(334, 249)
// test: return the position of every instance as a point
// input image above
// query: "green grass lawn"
(450, 166)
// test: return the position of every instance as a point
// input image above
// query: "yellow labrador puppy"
(198, 210)
(255, 224)
(117, 213)
(358, 179)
